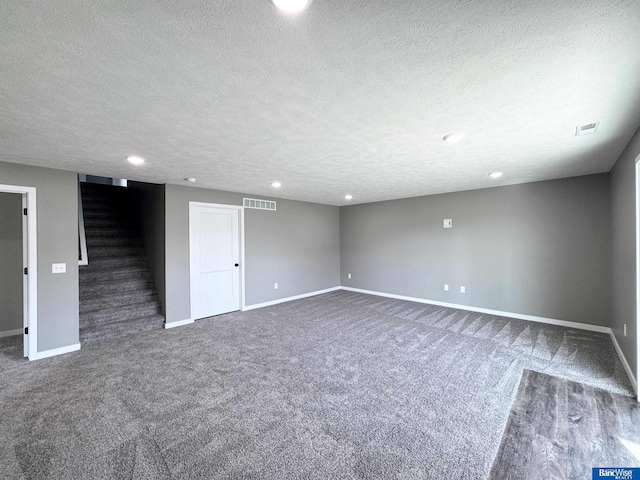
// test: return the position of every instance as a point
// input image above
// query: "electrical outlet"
(275, 286)
(349, 276)
(463, 289)
(58, 268)
(446, 287)
(625, 329)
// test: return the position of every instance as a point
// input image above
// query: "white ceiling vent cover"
(587, 129)
(259, 204)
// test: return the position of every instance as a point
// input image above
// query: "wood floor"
(560, 429)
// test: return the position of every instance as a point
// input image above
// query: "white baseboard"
(626, 365)
(533, 318)
(179, 323)
(54, 352)
(11, 333)
(289, 299)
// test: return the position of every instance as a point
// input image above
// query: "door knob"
(237, 264)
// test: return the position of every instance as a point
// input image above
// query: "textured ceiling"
(348, 97)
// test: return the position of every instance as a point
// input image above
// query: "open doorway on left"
(12, 276)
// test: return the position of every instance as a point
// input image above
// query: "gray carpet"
(342, 385)
(559, 429)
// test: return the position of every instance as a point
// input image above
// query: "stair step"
(95, 275)
(113, 262)
(90, 290)
(102, 202)
(116, 252)
(120, 329)
(118, 314)
(106, 203)
(102, 214)
(107, 212)
(116, 300)
(120, 241)
(105, 222)
(98, 204)
(106, 232)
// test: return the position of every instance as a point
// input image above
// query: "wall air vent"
(587, 129)
(259, 204)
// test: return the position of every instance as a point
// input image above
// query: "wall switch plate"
(446, 287)
(349, 275)
(463, 289)
(275, 286)
(447, 223)
(58, 268)
(625, 329)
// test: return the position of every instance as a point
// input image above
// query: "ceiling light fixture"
(453, 137)
(276, 184)
(190, 180)
(496, 174)
(291, 6)
(135, 160)
(348, 197)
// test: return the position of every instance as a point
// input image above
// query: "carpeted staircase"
(117, 292)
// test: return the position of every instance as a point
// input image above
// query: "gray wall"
(539, 249)
(10, 262)
(150, 209)
(623, 195)
(297, 246)
(57, 194)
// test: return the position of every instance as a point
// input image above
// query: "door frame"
(240, 210)
(637, 171)
(30, 258)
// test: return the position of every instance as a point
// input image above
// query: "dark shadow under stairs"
(117, 293)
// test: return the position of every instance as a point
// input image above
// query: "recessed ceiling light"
(453, 137)
(190, 180)
(276, 184)
(291, 6)
(348, 197)
(135, 160)
(496, 174)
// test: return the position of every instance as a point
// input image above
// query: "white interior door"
(214, 242)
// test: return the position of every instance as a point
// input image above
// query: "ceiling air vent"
(587, 129)
(259, 204)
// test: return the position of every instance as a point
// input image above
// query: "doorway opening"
(121, 257)
(18, 262)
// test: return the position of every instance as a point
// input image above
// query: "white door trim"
(638, 271)
(242, 290)
(240, 210)
(25, 278)
(30, 244)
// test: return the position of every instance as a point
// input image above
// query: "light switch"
(448, 223)
(58, 268)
